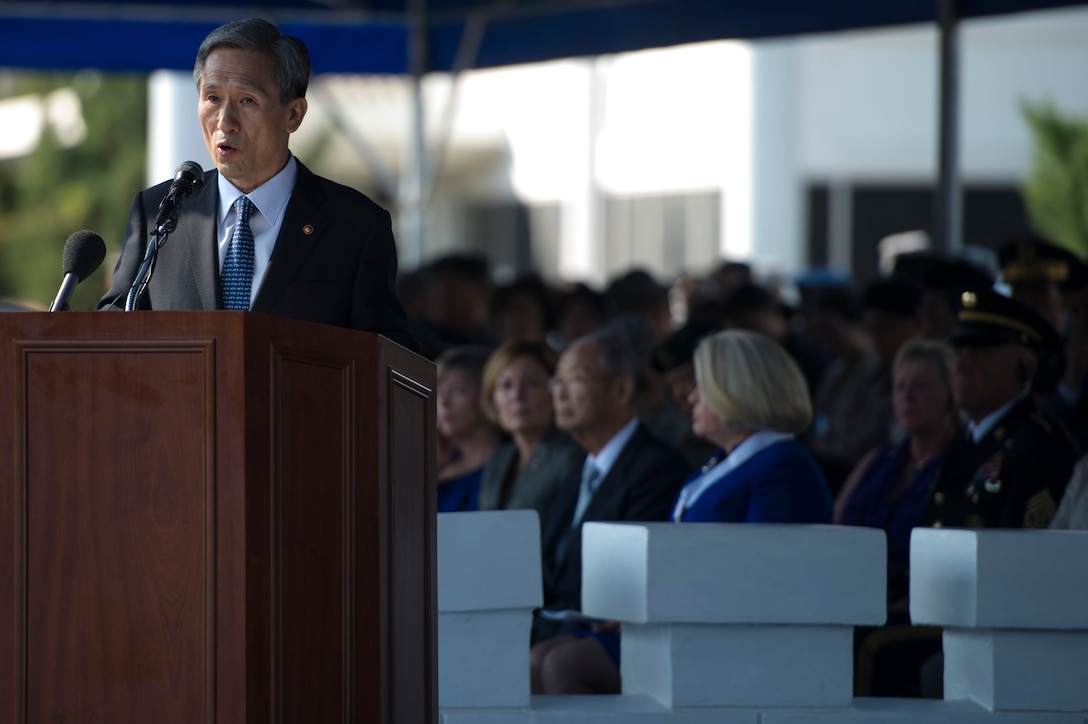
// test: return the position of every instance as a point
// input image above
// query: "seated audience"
(627, 475)
(852, 405)
(750, 399)
(526, 471)
(1009, 470)
(453, 301)
(638, 292)
(581, 310)
(522, 310)
(467, 438)
(652, 403)
(888, 488)
(674, 361)
(891, 316)
(754, 308)
(942, 280)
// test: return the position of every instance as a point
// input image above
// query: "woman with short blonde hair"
(752, 383)
(751, 400)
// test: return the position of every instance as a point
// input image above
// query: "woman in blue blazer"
(751, 400)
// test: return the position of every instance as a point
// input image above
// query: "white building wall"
(867, 104)
(755, 122)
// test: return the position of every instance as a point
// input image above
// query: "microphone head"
(191, 173)
(83, 252)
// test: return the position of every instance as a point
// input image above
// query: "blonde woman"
(751, 400)
(889, 487)
(526, 471)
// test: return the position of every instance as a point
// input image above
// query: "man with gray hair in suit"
(627, 475)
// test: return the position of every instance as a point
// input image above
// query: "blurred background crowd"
(946, 393)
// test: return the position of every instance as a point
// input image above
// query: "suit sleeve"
(375, 305)
(655, 495)
(1043, 479)
(132, 254)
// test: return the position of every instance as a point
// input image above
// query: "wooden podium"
(214, 517)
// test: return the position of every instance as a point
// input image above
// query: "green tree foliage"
(55, 191)
(1056, 191)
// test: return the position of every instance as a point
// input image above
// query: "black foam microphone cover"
(191, 173)
(83, 252)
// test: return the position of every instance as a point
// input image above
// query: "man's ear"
(296, 112)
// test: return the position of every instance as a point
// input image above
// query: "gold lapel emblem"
(308, 229)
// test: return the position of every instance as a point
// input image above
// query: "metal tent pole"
(948, 209)
(412, 222)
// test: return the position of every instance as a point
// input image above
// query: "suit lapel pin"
(308, 229)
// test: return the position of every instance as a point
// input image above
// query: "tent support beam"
(467, 52)
(948, 216)
(410, 199)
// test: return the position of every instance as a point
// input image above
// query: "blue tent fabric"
(372, 36)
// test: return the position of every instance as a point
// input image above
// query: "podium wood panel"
(214, 517)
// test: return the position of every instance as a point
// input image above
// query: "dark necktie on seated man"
(237, 273)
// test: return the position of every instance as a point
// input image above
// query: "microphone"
(188, 177)
(83, 252)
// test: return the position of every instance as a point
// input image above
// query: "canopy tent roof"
(374, 36)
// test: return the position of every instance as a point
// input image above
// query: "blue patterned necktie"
(237, 274)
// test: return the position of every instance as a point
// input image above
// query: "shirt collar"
(979, 430)
(606, 457)
(270, 198)
(751, 446)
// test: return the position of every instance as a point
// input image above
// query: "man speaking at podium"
(263, 232)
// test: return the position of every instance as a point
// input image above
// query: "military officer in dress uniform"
(1011, 468)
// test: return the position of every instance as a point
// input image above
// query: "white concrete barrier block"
(485, 716)
(483, 659)
(489, 560)
(912, 711)
(686, 665)
(627, 709)
(1017, 670)
(1034, 579)
(734, 573)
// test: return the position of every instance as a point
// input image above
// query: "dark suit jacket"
(334, 261)
(1014, 477)
(642, 485)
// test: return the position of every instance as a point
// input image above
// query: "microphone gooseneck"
(188, 177)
